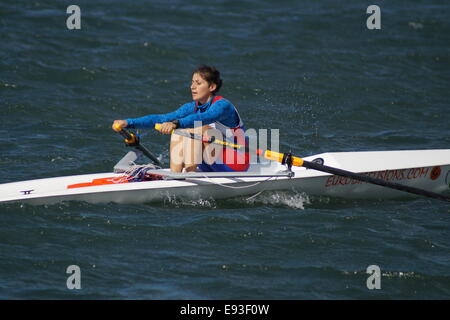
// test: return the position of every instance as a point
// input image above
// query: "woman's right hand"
(119, 125)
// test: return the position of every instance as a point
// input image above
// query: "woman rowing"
(208, 108)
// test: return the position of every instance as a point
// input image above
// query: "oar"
(132, 140)
(288, 159)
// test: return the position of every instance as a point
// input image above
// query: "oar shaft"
(133, 141)
(130, 138)
(148, 154)
(366, 178)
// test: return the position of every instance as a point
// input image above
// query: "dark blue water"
(311, 69)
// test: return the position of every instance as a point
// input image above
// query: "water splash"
(289, 199)
(415, 25)
(172, 201)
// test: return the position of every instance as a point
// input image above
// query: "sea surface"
(309, 68)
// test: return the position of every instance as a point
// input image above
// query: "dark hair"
(210, 74)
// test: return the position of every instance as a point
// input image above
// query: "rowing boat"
(427, 171)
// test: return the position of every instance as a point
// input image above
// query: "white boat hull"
(424, 169)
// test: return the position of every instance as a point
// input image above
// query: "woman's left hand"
(167, 127)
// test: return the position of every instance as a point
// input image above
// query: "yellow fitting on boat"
(132, 140)
(296, 161)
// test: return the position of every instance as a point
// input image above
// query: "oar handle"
(158, 128)
(201, 137)
(130, 138)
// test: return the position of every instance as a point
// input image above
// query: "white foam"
(283, 198)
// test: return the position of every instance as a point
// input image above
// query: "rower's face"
(200, 88)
